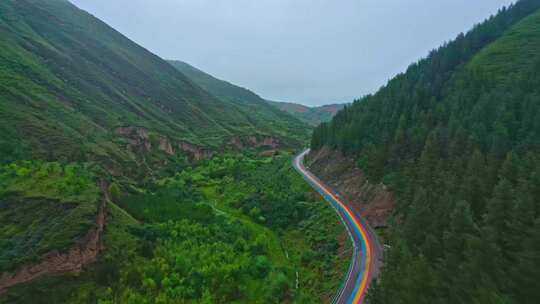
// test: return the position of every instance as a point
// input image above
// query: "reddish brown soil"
(84, 252)
(373, 202)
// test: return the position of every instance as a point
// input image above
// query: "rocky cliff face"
(373, 202)
(268, 142)
(197, 152)
(85, 251)
(137, 138)
(139, 142)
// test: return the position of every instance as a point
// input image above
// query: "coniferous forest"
(457, 139)
(128, 178)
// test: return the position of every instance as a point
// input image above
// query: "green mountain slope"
(67, 81)
(457, 138)
(310, 115)
(98, 206)
(262, 115)
(44, 207)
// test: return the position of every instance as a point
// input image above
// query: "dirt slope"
(373, 202)
(84, 252)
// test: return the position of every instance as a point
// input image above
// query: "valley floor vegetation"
(233, 229)
(44, 207)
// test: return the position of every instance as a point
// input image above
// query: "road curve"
(367, 252)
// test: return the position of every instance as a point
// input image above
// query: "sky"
(312, 52)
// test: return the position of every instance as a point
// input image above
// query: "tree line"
(457, 138)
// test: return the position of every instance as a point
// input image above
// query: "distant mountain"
(73, 88)
(264, 116)
(311, 115)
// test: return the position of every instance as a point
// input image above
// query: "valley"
(367, 254)
(310, 115)
(129, 178)
(225, 218)
(124, 180)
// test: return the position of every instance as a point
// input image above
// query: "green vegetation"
(67, 81)
(43, 207)
(85, 104)
(262, 116)
(235, 228)
(310, 115)
(457, 138)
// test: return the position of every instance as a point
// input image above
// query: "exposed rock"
(269, 153)
(198, 153)
(269, 142)
(137, 138)
(166, 146)
(236, 144)
(84, 252)
(140, 143)
(373, 202)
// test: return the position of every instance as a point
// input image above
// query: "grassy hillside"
(310, 115)
(512, 55)
(67, 81)
(84, 103)
(457, 138)
(44, 207)
(262, 116)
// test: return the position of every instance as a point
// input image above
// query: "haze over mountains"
(126, 178)
(311, 115)
(227, 91)
(304, 51)
(264, 116)
(86, 80)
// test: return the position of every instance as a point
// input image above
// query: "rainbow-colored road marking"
(355, 287)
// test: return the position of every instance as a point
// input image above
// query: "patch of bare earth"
(372, 201)
(84, 252)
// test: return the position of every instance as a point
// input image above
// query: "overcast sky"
(308, 51)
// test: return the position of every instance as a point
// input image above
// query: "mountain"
(457, 139)
(101, 200)
(310, 115)
(264, 117)
(257, 106)
(73, 88)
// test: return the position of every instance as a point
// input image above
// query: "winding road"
(367, 252)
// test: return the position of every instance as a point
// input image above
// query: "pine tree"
(462, 227)
(498, 217)
(523, 216)
(418, 219)
(526, 277)
(473, 188)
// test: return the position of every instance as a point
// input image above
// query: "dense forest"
(457, 138)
